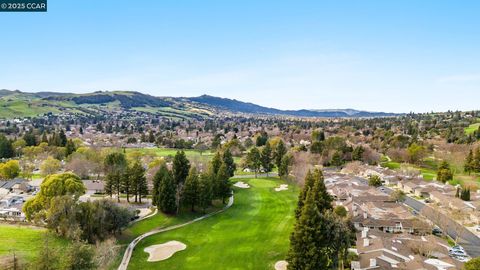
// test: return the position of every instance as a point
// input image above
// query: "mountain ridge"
(28, 104)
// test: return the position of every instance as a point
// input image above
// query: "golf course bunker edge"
(164, 251)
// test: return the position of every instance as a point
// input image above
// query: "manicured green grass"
(429, 172)
(26, 241)
(204, 156)
(391, 165)
(161, 220)
(473, 127)
(165, 152)
(252, 234)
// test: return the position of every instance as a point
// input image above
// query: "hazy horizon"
(374, 56)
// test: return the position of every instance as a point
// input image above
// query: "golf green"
(252, 234)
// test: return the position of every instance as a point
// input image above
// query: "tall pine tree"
(319, 239)
(215, 163)
(224, 189)
(138, 181)
(229, 162)
(308, 184)
(191, 189)
(157, 180)
(167, 194)
(205, 190)
(280, 151)
(266, 158)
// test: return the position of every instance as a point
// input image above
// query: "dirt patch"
(241, 185)
(281, 265)
(164, 251)
(282, 187)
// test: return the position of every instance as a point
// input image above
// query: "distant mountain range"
(245, 107)
(23, 104)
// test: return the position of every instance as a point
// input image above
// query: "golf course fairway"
(252, 234)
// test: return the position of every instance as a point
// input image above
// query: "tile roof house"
(451, 201)
(17, 185)
(378, 250)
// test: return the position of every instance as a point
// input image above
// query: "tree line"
(263, 159)
(183, 185)
(124, 177)
(472, 161)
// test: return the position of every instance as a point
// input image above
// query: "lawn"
(160, 220)
(472, 128)
(429, 172)
(391, 165)
(26, 241)
(165, 152)
(252, 234)
(190, 153)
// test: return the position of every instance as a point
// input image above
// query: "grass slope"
(252, 234)
(472, 128)
(429, 172)
(26, 241)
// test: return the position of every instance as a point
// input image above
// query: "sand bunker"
(282, 187)
(281, 265)
(164, 251)
(241, 185)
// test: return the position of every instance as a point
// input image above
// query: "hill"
(245, 107)
(16, 104)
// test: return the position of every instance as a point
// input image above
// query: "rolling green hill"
(17, 104)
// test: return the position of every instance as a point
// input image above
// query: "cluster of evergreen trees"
(264, 159)
(463, 193)
(472, 161)
(321, 238)
(183, 185)
(122, 177)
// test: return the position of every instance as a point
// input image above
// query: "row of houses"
(386, 251)
(445, 196)
(14, 193)
(370, 208)
(389, 235)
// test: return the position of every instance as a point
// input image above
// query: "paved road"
(128, 252)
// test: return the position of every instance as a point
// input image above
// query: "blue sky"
(397, 56)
